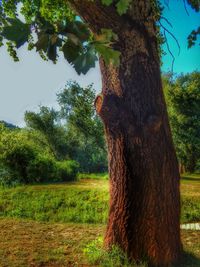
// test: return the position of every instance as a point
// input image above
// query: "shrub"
(26, 158)
(46, 169)
(16, 160)
(7, 178)
(41, 169)
(66, 170)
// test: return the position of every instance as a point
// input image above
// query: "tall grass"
(55, 205)
(98, 256)
(95, 176)
(81, 202)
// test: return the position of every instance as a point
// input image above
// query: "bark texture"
(143, 169)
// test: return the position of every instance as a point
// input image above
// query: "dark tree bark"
(143, 169)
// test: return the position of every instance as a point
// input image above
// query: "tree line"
(57, 144)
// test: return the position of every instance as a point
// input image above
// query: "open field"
(85, 201)
(50, 225)
(28, 243)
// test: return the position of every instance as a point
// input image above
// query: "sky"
(32, 82)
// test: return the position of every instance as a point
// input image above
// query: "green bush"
(16, 160)
(26, 158)
(7, 178)
(41, 169)
(66, 170)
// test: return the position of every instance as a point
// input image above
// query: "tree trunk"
(144, 177)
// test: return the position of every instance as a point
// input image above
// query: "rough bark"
(143, 169)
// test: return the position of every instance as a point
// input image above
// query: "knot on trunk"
(108, 108)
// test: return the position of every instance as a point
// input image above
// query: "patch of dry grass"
(33, 244)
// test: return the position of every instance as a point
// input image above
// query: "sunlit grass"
(85, 201)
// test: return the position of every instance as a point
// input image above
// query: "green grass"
(94, 176)
(55, 225)
(115, 257)
(194, 177)
(56, 203)
(83, 202)
(190, 198)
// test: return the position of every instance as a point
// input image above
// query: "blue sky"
(33, 82)
(188, 59)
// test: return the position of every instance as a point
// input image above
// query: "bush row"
(23, 161)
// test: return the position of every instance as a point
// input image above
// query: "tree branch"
(166, 30)
(184, 2)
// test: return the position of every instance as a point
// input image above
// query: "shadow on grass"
(189, 260)
(187, 178)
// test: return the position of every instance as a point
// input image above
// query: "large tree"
(144, 178)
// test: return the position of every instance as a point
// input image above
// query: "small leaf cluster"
(192, 38)
(121, 5)
(52, 28)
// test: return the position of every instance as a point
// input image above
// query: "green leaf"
(107, 2)
(109, 54)
(43, 41)
(71, 51)
(78, 29)
(122, 6)
(85, 61)
(108, 35)
(16, 31)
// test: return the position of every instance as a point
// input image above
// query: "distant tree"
(183, 98)
(8, 125)
(77, 108)
(85, 133)
(46, 121)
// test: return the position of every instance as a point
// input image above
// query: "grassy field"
(50, 225)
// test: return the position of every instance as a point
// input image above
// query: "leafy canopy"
(183, 98)
(51, 27)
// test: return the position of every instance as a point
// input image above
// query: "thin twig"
(184, 2)
(168, 48)
(167, 3)
(165, 29)
(168, 22)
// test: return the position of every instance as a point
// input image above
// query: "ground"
(30, 241)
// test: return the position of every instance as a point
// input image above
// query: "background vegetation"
(56, 145)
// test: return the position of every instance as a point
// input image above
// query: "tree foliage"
(75, 131)
(51, 27)
(85, 133)
(183, 98)
(25, 157)
(46, 121)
